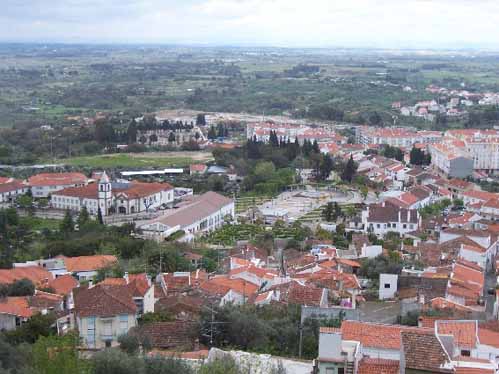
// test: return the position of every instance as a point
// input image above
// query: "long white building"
(202, 214)
(396, 136)
(44, 184)
(481, 145)
(114, 198)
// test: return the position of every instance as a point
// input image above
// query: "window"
(387, 285)
(107, 329)
(91, 332)
(123, 324)
(465, 352)
(341, 371)
(404, 226)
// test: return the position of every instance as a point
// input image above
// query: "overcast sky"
(314, 23)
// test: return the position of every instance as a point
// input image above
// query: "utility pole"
(300, 343)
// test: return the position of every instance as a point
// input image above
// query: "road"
(379, 312)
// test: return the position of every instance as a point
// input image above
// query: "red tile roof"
(220, 285)
(64, 284)
(488, 337)
(136, 190)
(88, 263)
(374, 335)
(104, 301)
(304, 295)
(378, 366)
(12, 185)
(35, 274)
(16, 306)
(464, 332)
(423, 351)
(57, 179)
(178, 335)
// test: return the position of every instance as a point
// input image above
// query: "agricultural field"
(50, 84)
(138, 160)
(228, 235)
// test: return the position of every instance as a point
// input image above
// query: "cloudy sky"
(354, 23)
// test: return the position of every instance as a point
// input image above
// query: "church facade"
(114, 197)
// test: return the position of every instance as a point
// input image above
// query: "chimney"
(400, 218)
(90, 284)
(126, 277)
(408, 215)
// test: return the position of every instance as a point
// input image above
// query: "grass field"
(142, 160)
(38, 224)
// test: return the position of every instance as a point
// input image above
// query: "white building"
(45, 184)
(387, 286)
(201, 214)
(482, 146)
(111, 198)
(11, 188)
(451, 161)
(384, 218)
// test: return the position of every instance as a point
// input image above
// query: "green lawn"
(38, 224)
(128, 161)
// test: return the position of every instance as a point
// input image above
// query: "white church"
(114, 197)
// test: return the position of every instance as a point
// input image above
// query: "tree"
(171, 137)
(326, 166)
(25, 201)
(153, 138)
(212, 133)
(116, 362)
(10, 357)
(131, 132)
(129, 343)
(29, 332)
(375, 119)
(83, 217)
(328, 212)
(99, 216)
(201, 119)
(59, 354)
(349, 170)
(364, 191)
(22, 287)
(315, 147)
(67, 224)
(417, 156)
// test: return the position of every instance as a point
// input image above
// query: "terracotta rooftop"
(378, 366)
(374, 335)
(103, 301)
(390, 213)
(488, 337)
(423, 351)
(220, 285)
(16, 306)
(11, 185)
(35, 274)
(133, 190)
(57, 179)
(175, 336)
(88, 263)
(464, 332)
(63, 284)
